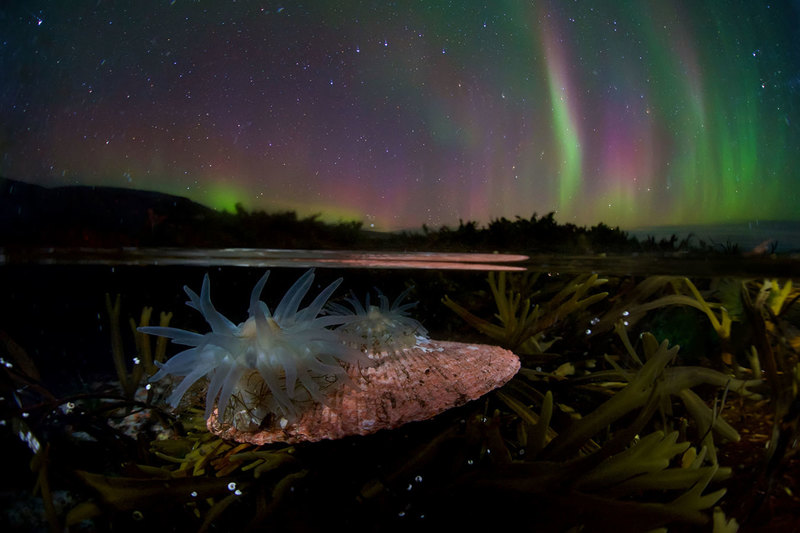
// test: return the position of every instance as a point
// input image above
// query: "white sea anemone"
(283, 348)
(378, 330)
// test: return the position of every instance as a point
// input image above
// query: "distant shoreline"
(747, 235)
(32, 215)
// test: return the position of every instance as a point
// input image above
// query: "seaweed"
(144, 363)
(631, 441)
(523, 324)
(604, 436)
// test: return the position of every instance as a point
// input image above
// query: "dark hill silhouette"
(90, 216)
(32, 215)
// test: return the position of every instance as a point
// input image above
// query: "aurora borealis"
(627, 112)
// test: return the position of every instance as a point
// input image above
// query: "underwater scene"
(449, 390)
(391, 266)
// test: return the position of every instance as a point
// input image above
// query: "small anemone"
(378, 329)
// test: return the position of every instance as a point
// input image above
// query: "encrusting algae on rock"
(291, 376)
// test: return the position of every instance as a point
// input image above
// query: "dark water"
(53, 307)
(678, 264)
(261, 257)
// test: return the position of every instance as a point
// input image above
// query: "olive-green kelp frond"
(523, 324)
(655, 480)
(653, 380)
(198, 469)
(683, 292)
(144, 361)
(649, 483)
(773, 316)
(201, 452)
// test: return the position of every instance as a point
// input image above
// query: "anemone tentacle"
(385, 328)
(291, 350)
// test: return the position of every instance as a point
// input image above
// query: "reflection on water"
(707, 266)
(261, 257)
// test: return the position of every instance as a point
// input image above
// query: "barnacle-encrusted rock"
(413, 384)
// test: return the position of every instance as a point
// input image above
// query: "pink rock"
(415, 384)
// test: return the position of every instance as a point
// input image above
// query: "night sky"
(629, 112)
